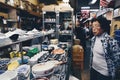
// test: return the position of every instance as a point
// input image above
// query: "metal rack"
(20, 43)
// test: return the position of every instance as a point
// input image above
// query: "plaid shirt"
(112, 53)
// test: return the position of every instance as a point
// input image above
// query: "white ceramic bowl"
(42, 69)
(9, 75)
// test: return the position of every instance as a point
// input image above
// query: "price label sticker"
(4, 21)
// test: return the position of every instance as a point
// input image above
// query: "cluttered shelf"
(14, 39)
(37, 65)
(6, 7)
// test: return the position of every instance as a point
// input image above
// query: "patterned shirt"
(112, 53)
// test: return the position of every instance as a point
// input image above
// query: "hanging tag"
(4, 21)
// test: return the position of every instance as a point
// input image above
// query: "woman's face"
(97, 31)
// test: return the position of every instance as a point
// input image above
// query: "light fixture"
(86, 7)
(65, 1)
(93, 2)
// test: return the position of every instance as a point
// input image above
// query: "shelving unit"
(49, 20)
(66, 35)
(12, 14)
(26, 20)
(116, 19)
(15, 16)
(115, 29)
(19, 42)
(55, 17)
(9, 16)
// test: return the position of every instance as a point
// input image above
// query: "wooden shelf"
(5, 8)
(34, 13)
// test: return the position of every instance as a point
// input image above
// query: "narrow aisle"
(85, 72)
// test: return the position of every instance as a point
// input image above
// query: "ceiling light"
(93, 2)
(65, 1)
(86, 7)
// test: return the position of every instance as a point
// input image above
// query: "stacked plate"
(42, 69)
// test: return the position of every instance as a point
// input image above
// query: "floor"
(83, 74)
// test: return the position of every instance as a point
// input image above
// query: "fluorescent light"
(94, 10)
(65, 1)
(87, 7)
(93, 2)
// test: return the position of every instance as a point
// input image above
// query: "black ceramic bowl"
(14, 37)
(63, 46)
(48, 49)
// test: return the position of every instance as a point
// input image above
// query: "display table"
(61, 70)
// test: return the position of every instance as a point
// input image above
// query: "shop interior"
(36, 42)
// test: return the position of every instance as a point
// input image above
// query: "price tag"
(4, 21)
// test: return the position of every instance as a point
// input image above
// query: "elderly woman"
(104, 51)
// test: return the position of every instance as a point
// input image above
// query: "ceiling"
(74, 3)
(47, 2)
(77, 4)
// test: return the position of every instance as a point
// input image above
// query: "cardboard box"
(5, 15)
(3, 1)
